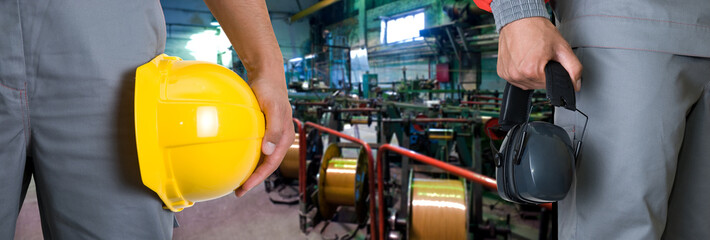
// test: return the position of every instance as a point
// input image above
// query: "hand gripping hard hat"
(198, 130)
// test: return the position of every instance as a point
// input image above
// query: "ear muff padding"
(504, 172)
(510, 167)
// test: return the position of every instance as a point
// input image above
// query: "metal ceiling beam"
(310, 10)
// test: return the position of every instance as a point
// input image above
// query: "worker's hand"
(525, 47)
(279, 135)
(248, 26)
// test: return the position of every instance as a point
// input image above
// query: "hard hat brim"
(153, 172)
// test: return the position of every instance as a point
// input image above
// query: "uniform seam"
(11, 88)
(642, 49)
(24, 121)
(29, 121)
(642, 19)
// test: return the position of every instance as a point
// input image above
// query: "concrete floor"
(28, 224)
(250, 217)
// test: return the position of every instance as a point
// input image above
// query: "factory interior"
(395, 104)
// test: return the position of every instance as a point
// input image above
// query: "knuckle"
(529, 72)
(516, 76)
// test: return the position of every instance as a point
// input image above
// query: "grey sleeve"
(507, 11)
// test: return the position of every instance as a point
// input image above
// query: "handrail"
(370, 169)
(301, 159)
(475, 177)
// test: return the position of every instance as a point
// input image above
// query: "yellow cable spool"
(289, 166)
(438, 209)
(360, 120)
(440, 134)
(342, 182)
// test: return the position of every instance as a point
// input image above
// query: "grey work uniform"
(645, 164)
(66, 116)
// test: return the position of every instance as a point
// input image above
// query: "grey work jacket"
(671, 26)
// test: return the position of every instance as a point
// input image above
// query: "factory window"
(402, 29)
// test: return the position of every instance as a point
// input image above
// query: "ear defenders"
(536, 161)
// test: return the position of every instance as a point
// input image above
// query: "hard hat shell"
(199, 129)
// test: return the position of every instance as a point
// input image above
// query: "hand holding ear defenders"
(536, 161)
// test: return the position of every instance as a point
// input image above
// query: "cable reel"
(364, 120)
(289, 165)
(440, 134)
(342, 182)
(438, 209)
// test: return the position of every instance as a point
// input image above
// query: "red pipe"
(301, 160)
(472, 176)
(479, 103)
(370, 169)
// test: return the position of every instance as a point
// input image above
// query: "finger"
(262, 172)
(533, 71)
(571, 63)
(274, 127)
(270, 164)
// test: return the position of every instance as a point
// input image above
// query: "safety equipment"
(536, 161)
(198, 130)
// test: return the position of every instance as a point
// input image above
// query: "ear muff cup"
(547, 149)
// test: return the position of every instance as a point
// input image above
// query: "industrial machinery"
(342, 182)
(344, 191)
(441, 208)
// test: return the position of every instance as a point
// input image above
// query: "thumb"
(272, 136)
(571, 63)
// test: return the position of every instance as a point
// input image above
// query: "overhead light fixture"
(214, 23)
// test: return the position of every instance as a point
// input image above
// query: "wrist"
(266, 71)
(507, 11)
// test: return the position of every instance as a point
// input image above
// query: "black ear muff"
(538, 146)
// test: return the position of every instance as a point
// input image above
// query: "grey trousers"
(66, 116)
(645, 164)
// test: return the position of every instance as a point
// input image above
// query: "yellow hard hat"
(198, 130)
